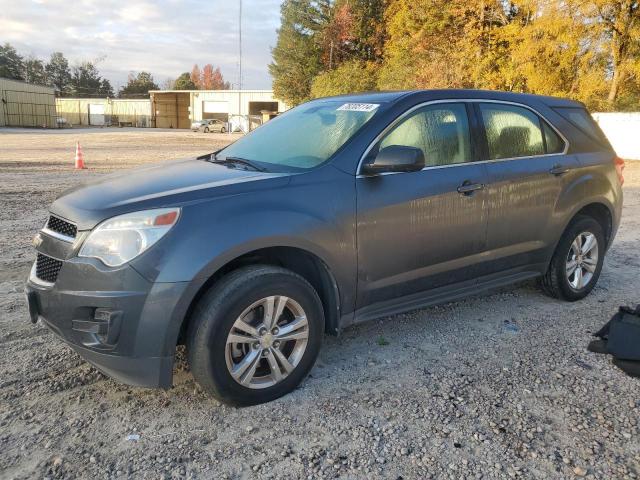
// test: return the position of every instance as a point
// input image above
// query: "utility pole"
(240, 60)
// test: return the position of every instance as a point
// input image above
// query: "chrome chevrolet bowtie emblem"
(37, 240)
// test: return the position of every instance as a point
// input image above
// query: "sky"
(164, 37)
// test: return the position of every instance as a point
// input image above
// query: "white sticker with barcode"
(359, 107)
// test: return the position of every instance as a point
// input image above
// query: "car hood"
(163, 184)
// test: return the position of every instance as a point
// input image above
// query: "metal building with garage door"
(26, 105)
(178, 108)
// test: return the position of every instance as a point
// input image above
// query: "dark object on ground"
(620, 337)
(597, 346)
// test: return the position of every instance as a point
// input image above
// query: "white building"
(178, 108)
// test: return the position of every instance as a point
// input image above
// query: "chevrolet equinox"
(338, 211)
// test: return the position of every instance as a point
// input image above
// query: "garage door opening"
(257, 108)
(171, 109)
(215, 110)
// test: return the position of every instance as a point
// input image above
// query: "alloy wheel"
(582, 260)
(267, 342)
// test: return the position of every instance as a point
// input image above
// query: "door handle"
(558, 170)
(467, 188)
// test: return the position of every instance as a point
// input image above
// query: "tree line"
(84, 79)
(586, 50)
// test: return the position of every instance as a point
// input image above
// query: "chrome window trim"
(460, 100)
(57, 235)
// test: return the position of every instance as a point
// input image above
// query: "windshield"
(305, 136)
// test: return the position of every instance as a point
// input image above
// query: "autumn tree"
(350, 77)
(209, 78)
(365, 31)
(619, 22)
(196, 76)
(212, 79)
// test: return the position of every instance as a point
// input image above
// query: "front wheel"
(223, 130)
(206, 130)
(255, 335)
(577, 262)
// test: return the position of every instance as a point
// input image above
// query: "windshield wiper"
(236, 160)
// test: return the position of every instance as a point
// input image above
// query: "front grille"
(61, 226)
(47, 268)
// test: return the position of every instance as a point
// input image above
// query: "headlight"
(121, 239)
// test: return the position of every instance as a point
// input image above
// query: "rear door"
(527, 169)
(425, 229)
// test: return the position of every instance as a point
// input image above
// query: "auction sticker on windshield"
(359, 107)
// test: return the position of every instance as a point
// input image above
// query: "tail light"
(619, 164)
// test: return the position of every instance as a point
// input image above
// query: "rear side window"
(440, 131)
(511, 131)
(514, 132)
(585, 122)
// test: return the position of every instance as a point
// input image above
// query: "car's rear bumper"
(114, 319)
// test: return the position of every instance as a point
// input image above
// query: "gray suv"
(338, 211)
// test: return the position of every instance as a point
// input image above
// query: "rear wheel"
(223, 130)
(577, 262)
(255, 335)
(206, 130)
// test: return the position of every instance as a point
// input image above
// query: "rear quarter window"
(581, 119)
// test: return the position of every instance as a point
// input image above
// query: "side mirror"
(395, 158)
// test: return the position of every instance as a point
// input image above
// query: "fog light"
(104, 315)
(104, 328)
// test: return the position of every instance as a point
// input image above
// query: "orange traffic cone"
(79, 157)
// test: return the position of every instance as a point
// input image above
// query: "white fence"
(623, 131)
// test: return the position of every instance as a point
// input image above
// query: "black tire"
(555, 282)
(206, 130)
(223, 130)
(215, 315)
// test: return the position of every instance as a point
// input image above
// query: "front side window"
(441, 131)
(304, 137)
(511, 131)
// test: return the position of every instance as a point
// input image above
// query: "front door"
(425, 229)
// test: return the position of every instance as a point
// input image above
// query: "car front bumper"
(115, 319)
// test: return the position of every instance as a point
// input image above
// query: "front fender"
(314, 212)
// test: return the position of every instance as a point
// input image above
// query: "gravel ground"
(498, 386)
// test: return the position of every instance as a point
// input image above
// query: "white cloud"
(165, 37)
(139, 12)
(14, 29)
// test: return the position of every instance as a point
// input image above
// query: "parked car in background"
(339, 211)
(209, 126)
(197, 124)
